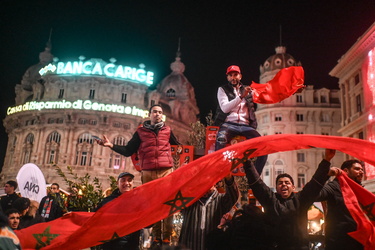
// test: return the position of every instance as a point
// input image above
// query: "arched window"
(117, 161)
(52, 148)
(27, 148)
(171, 93)
(84, 150)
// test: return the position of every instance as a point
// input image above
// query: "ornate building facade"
(59, 106)
(313, 111)
(355, 71)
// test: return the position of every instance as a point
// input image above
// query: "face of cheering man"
(355, 172)
(284, 187)
(156, 114)
(234, 78)
(125, 183)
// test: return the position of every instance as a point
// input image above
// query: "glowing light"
(79, 104)
(371, 74)
(100, 68)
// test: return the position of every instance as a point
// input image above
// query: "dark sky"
(213, 35)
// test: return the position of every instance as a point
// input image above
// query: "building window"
(299, 133)
(30, 122)
(171, 93)
(30, 139)
(82, 121)
(52, 147)
(325, 117)
(86, 137)
(279, 171)
(117, 161)
(153, 102)
(61, 94)
(358, 103)
(51, 120)
(27, 148)
(299, 117)
(83, 159)
(117, 125)
(123, 97)
(84, 150)
(52, 156)
(299, 98)
(54, 137)
(300, 157)
(325, 133)
(59, 120)
(301, 180)
(361, 135)
(356, 79)
(119, 141)
(267, 172)
(265, 119)
(93, 122)
(126, 126)
(92, 94)
(278, 133)
(323, 99)
(278, 118)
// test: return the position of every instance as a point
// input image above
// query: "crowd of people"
(208, 223)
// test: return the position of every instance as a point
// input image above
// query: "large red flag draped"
(285, 83)
(156, 200)
(356, 197)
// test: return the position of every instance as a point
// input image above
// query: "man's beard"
(234, 83)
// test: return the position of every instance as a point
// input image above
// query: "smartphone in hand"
(96, 138)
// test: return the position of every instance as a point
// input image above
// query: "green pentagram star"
(114, 236)
(368, 210)
(45, 238)
(178, 203)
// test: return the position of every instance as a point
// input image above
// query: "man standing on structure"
(152, 142)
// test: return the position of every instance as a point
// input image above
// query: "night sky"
(213, 36)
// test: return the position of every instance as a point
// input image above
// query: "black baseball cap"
(125, 174)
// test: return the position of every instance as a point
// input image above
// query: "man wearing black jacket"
(52, 206)
(130, 241)
(11, 195)
(288, 210)
(338, 221)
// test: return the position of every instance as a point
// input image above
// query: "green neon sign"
(80, 105)
(94, 67)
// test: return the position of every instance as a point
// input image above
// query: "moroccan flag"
(285, 83)
(157, 199)
(361, 205)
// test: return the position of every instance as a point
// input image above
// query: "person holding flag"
(152, 142)
(287, 209)
(235, 114)
(130, 241)
(338, 220)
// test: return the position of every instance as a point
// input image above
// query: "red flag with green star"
(156, 200)
(360, 203)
